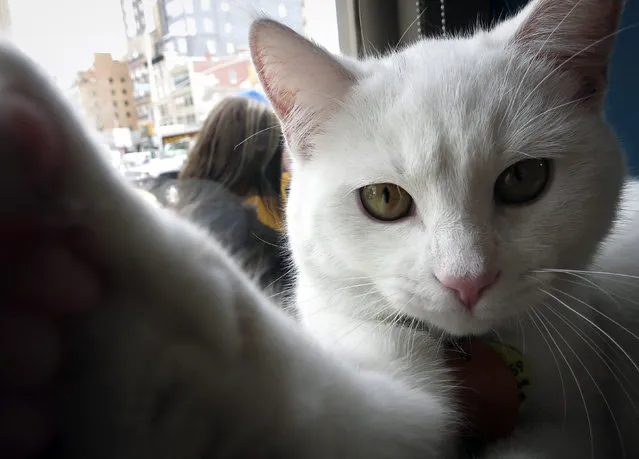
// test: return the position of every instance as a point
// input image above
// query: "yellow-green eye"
(385, 201)
(523, 181)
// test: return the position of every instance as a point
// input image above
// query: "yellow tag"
(517, 365)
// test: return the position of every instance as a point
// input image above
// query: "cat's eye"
(386, 201)
(523, 181)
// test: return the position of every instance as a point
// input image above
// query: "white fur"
(187, 359)
(442, 120)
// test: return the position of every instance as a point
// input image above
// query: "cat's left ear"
(575, 36)
(303, 81)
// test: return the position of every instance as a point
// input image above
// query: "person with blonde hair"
(231, 182)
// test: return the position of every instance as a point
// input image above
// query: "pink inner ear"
(575, 36)
(579, 31)
(283, 102)
(303, 81)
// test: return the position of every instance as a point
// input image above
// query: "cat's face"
(450, 176)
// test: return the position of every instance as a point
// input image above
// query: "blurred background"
(145, 74)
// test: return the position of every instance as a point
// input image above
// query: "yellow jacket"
(263, 204)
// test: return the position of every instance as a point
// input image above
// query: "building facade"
(199, 54)
(188, 88)
(135, 16)
(105, 95)
(220, 28)
(5, 18)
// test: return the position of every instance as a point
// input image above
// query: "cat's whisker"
(522, 153)
(596, 310)
(614, 370)
(592, 378)
(594, 325)
(533, 59)
(329, 304)
(554, 357)
(276, 126)
(613, 295)
(410, 26)
(359, 324)
(609, 345)
(575, 55)
(530, 121)
(385, 321)
(595, 285)
(277, 246)
(507, 75)
(586, 272)
(574, 375)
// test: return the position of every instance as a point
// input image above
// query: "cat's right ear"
(575, 36)
(303, 81)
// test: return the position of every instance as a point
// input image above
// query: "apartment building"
(105, 94)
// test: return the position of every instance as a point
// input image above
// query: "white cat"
(453, 183)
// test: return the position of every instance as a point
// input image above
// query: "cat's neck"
(338, 315)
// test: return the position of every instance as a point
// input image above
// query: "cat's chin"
(463, 324)
(489, 314)
(455, 321)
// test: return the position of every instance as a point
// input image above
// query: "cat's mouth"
(441, 312)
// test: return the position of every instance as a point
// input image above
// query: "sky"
(62, 35)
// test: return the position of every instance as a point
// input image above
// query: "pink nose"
(470, 289)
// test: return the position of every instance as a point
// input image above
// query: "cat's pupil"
(386, 195)
(519, 173)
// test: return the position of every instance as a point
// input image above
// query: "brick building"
(105, 94)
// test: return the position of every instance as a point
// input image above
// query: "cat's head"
(449, 174)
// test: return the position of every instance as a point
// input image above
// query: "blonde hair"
(239, 147)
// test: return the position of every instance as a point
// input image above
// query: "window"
(116, 115)
(169, 48)
(188, 6)
(110, 80)
(113, 92)
(232, 77)
(94, 92)
(178, 28)
(124, 91)
(206, 5)
(224, 6)
(190, 119)
(122, 79)
(211, 46)
(126, 103)
(182, 46)
(128, 114)
(230, 48)
(190, 26)
(181, 80)
(174, 8)
(281, 10)
(228, 27)
(115, 104)
(209, 27)
(320, 24)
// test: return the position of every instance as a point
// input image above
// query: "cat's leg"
(186, 359)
